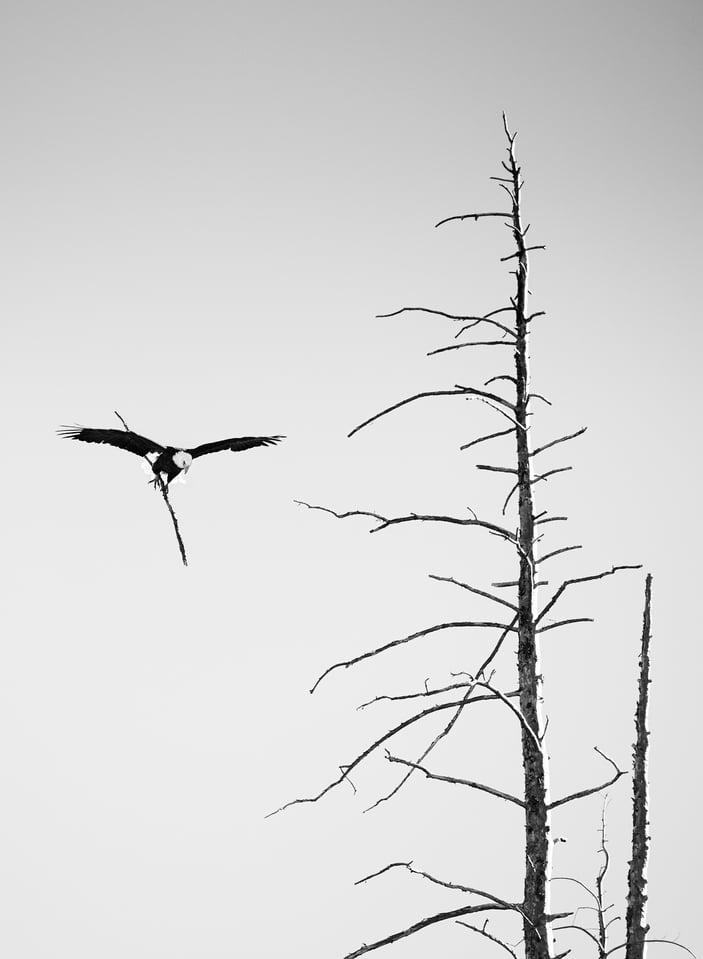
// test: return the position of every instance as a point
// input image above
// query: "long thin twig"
(562, 439)
(456, 781)
(459, 391)
(469, 216)
(473, 589)
(579, 579)
(422, 924)
(469, 320)
(594, 789)
(482, 439)
(460, 708)
(348, 767)
(163, 489)
(384, 521)
(484, 932)
(427, 693)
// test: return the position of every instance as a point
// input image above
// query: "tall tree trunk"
(538, 938)
(636, 915)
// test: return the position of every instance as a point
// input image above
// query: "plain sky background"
(204, 207)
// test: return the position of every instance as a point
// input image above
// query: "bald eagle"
(170, 461)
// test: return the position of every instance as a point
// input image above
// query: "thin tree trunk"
(636, 915)
(538, 938)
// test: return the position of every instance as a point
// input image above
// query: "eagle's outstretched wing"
(235, 444)
(122, 439)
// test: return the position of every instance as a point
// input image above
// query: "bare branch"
(422, 924)
(473, 589)
(468, 216)
(482, 439)
(488, 935)
(578, 883)
(516, 712)
(470, 320)
(512, 256)
(407, 639)
(462, 346)
(670, 942)
(437, 692)
(458, 391)
(579, 579)
(595, 789)
(544, 476)
(460, 707)
(163, 489)
(551, 519)
(503, 376)
(456, 781)
(346, 515)
(385, 522)
(120, 418)
(562, 439)
(565, 622)
(347, 768)
(496, 469)
(439, 882)
(556, 552)
(508, 417)
(581, 929)
(538, 396)
(458, 521)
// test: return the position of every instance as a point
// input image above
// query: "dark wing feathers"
(235, 444)
(122, 439)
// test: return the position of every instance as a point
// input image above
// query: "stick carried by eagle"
(168, 462)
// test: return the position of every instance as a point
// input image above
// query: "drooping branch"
(636, 925)
(470, 216)
(594, 789)
(458, 391)
(473, 589)
(345, 664)
(458, 887)
(457, 781)
(384, 521)
(482, 931)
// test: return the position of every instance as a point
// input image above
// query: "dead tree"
(524, 616)
(636, 917)
(636, 927)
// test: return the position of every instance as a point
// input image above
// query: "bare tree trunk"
(538, 938)
(636, 915)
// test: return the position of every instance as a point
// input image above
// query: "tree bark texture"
(538, 936)
(636, 915)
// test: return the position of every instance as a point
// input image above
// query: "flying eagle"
(170, 461)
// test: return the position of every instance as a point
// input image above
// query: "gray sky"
(204, 207)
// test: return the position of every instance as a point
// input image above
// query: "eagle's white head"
(182, 460)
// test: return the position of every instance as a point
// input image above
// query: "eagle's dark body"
(167, 462)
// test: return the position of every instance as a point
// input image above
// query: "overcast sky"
(204, 208)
